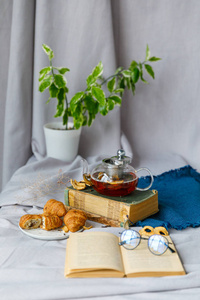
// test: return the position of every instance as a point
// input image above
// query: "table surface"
(34, 269)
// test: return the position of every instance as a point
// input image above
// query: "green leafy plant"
(100, 96)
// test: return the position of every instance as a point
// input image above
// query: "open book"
(98, 254)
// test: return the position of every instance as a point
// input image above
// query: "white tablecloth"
(34, 269)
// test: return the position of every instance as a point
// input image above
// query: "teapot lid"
(119, 160)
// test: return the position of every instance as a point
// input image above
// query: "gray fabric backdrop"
(160, 125)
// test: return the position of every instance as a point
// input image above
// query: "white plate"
(41, 234)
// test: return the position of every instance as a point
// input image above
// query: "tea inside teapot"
(115, 176)
(105, 185)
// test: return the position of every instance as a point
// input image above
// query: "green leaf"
(133, 88)
(111, 84)
(75, 99)
(98, 70)
(118, 70)
(65, 117)
(61, 96)
(135, 75)
(66, 89)
(60, 106)
(128, 82)
(141, 77)
(122, 83)
(59, 110)
(90, 119)
(147, 53)
(103, 109)
(77, 113)
(90, 104)
(59, 81)
(111, 104)
(69, 111)
(78, 116)
(44, 72)
(45, 83)
(126, 73)
(133, 65)
(90, 80)
(99, 95)
(119, 91)
(53, 90)
(48, 51)
(149, 69)
(153, 58)
(96, 73)
(84, 123)
(62, 70)
(77, 124)
(117, 99)
(140, 66)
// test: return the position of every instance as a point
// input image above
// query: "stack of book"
(113, 211)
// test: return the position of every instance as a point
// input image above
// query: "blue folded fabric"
(178, 199)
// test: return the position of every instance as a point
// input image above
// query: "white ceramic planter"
(61, 144)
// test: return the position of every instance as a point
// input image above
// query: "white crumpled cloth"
(34, 269)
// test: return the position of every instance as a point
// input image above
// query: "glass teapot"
(115, 176)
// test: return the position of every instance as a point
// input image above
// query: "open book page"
(141, 262)
(93, 251)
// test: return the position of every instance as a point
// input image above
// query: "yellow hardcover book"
(136, 206)
(98, 254)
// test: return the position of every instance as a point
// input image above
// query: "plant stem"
(50, 62)
(66, 102)
(115, 75)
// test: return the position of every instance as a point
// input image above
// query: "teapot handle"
(148, 187)
(85, 166)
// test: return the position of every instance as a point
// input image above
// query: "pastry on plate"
(50, 222)
(75, 219)
(54, 207)
(30, 221)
